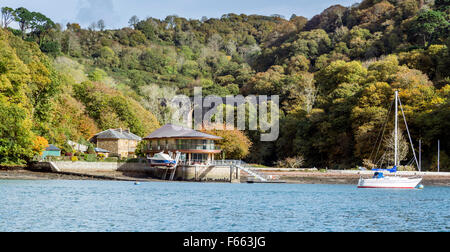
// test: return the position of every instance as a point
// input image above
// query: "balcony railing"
(214, 162)
(228, 162)
(171, 147)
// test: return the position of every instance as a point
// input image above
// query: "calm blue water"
(58, 205)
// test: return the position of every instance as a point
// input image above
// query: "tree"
(385, 69)
(298, 63)
(37, 22)
(149, 28)
(111, 109)
(215, 42)
(267, 83)
(8, 15)
(430, 26)
(134, 20)
(51, 48)
(39, 145)
(234, 143)
(298, 92)
(92, 26)
(329, 19)
(41, 25)
(368, 118)
(91, 149)
(70, 43)
(74, 27)
(359, 42)
(389, 145)
(101, 24)
(442, 5)
(340, 72)
(107, 57)
(153, 61)
(156, 99)
(15, 115)
(292, 162)
(15, 133)
(24, 18)
(140, 149)
(311, 43)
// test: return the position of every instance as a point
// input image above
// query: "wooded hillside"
(336, 75)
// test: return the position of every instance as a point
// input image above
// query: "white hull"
(162, 159)
(389, 182)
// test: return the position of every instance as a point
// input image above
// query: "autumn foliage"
(335, 74)
(39, 145)
(234, 143)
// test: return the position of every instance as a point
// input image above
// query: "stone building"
(195, 147)
(119, 142)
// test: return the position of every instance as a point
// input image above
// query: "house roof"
(131, 136)
(51, 147)
(117, 134)
(100, 150)
(175, 131)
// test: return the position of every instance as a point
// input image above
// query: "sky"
(116, 13)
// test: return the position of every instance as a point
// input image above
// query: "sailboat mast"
(439, 154)
(420, 155)
(396, 130)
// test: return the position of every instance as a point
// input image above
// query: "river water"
(58, 205)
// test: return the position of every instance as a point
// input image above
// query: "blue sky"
(116, 13)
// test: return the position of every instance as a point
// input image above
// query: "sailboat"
(379, 180)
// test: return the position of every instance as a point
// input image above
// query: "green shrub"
(111, 159)
(132, 160)
(51, 47)
(90, 158)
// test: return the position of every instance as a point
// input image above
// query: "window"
(199, 158)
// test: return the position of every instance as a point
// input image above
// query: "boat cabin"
(378, 175)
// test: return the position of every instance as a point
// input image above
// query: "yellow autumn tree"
(39, 145)
(15, 109)
(234, 143)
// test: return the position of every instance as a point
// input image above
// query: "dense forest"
(335, 74)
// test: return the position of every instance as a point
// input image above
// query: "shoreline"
(26, 174)
(337, 177)
(290, 177)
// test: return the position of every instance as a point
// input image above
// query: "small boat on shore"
(379, 180)
(162, 159)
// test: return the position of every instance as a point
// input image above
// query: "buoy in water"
(420, 187)
(137, 183)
